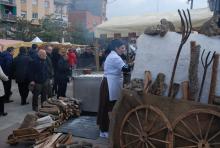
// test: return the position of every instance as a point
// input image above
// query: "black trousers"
(2, 104)
(23, 90)
(7, 89)
(61, 89)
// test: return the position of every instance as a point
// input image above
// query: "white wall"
(157, 54)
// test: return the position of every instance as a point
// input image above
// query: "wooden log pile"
(59, 140)
(35, 129)
(54, 141)
(60, 109)
(52, 114)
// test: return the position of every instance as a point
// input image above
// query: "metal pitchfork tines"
(205, 65)
(186, 28)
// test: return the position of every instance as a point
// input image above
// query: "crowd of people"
(43, 71)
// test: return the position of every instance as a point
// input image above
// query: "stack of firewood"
(32, 129)
(60, 109)
(52, 114)
(54, 141)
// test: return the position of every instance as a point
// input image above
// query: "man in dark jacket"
(63, 74)
(33, 51)
(39, 78)
(7, 57)
(50, 70)
(55, 56)
(20, 68)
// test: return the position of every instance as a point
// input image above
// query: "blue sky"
(139, 7)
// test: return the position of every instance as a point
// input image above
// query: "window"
(23, 1)
(34, 2)
(24, 14)
(46, 4)
(34, 15)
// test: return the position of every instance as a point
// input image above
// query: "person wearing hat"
(112, 83)
(6, 65)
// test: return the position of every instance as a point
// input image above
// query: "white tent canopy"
(37, 40)
(137, 24)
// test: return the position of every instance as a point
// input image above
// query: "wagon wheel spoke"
(159, 140)
(197, 121)
(146, 145)
(214, 143)
(157, 131)
(146, 114)
(210, 123)
(132, 125)
(185, 138)
(130, 134)
(138, 119)
(139, 144)
(132, 142)
(192, 146)
(213, 137)
(189, 129)
(152, 124)
(151, 144)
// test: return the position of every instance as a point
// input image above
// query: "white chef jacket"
(3, 77)
(112, 71)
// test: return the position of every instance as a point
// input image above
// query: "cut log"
(185, 90)
(54, 110)
(158, 87)
(175, 90)
(28, 121)
(147, 81)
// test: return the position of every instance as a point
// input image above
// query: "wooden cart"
(148, 121)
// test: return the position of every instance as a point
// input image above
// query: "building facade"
(8, 10)
(34, 9)
(89, 13)
(61, 10)
(84, 18)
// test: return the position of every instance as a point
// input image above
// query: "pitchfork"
(186, 28)
(205, 65)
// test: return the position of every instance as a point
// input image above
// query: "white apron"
(112, 71)
(115, 84)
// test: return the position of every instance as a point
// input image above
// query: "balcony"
(8, 17)
(8, 2)
(60, 2)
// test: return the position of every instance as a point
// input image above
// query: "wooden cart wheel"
(199, 128)
(145, 127)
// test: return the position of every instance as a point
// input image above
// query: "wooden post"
(212, 89)
(147, 81)
(193, 70)
(185, 90)
(97, 55)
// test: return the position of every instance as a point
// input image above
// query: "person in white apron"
(112, 83)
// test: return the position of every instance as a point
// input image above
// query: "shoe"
(9, 101)
(3, 114)
(102, 134)
(106, 134)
